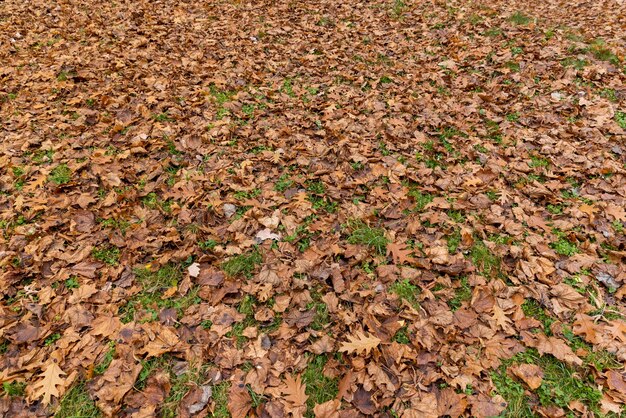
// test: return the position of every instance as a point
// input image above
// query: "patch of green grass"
(421, 199)
(61, 174)
(454, 240)
(620, 118)
(462, 293)
(161, 117)
(564, 247)
(52, 339)
(406, 291)
(610, 94)
(322, 316)
(77, 404)
(283, 183)
(72, 283)
(180, 385)
(287, 88)
(107, 254)
(149, 300)
(249, 194)
(532, 308)
(220, 400)
(106, 360)
(603, 53)
(319, 388)
(536, 161)
(243, 264)
(560, 386)
(520, 18)
(120, 224)
(577, 63)
(402, 336)
(602, 360)
(618, 226)
(555, 209)
(485, 261)
(207, 245)
(362, 234)
(14, 388)
(493, 32)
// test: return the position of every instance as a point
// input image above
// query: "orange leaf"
(359, 343)
(46, 388)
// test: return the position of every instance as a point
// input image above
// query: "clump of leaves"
(363, 234)
(243, 264)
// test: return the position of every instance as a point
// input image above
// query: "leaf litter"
(399, 209)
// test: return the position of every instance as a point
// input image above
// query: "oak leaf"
(359, 343)
(46, 388)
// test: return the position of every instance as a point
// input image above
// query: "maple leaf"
(359, 343)
(294, 391)
(46, 388)
(399, 253)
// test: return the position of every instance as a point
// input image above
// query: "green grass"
(181, 384)
(77, 404)
(564, 247)
(561, 385)
(106, 360)
(406, 291)
(454, 240)
(14, 388)
(283, 183)
(531, 308)
(61, 174)
(220, 400)
(520, 18)
(462, 293)
(421, 199)
(319, 388)
(107, 254)
(363, 234)
(322, 316)
(149, 301)
(243, 264)
(536, 161)
(207, 245)
(485, 261)
(620, 118)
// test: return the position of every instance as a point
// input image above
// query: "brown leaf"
(328, 409)
(239, 401)
(531, 374)
(362, 400)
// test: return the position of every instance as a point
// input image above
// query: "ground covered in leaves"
(321, 209)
